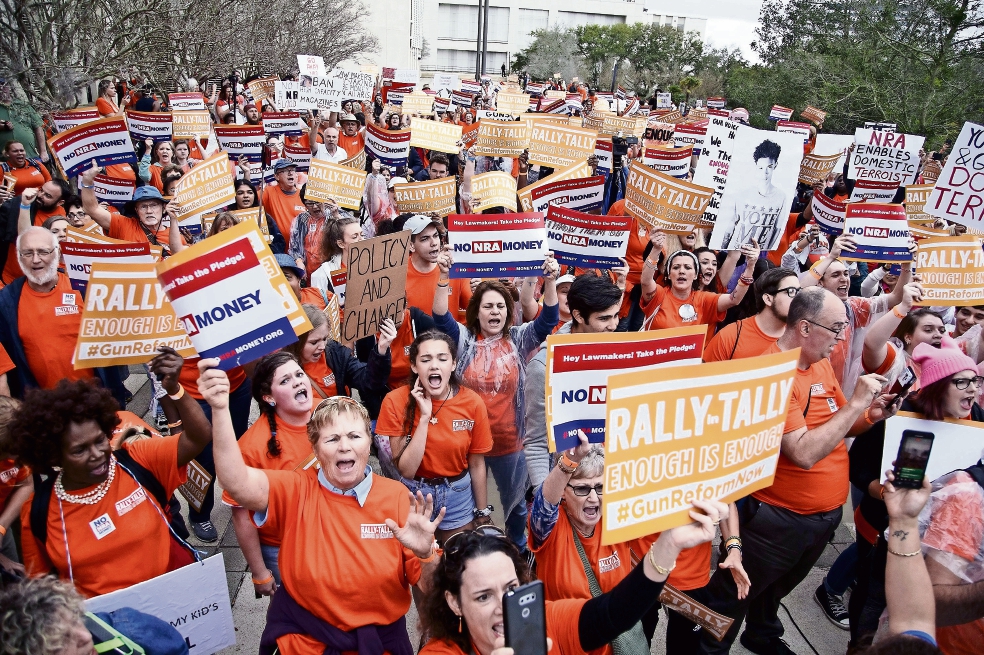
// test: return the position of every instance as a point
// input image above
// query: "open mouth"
(967, 403)
(301, 394)
(495, 322)
(591, 512)
(101, 470)
(435, 381)
(345, 465)
(497, 630)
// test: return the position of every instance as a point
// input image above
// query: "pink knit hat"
(938, 363)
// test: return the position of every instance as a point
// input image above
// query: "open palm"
(417, 533)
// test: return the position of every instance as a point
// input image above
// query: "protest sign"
(511, 103)
(689, 135)
(462, 99)
(126, 317)
(874, 191)
(626, 126)
(471, 86)
(815, 168)
(193, 101)
(376, 285)
(572, 172)
(829, 214)
(931, 171)
(572, 405)
(584, 194)
(115, 191)
(664, 202)
(424, 197)
(658, 134)
(704, 432)
(310, 65)
(254, 214)
(497, 245)
(675, 162)
(286, 95)
(834, 144)
(665, 101)
(919, 230)
(191, 124)
(555, 94)
(447, 81)
(673, 116)
(394, 93)
(300, 156)
(357, 161)
(391, 148)
(792, 127)
(241, 141)
(206, 186)
(780, 113)
(716, 102)
(758, 193)
(603, 153)
(469, 133)
(495, 189)
(880, 231)
(343, 184)
(587, 240)
(418, 102)
(154, 125)
(105, 141)
(885, 156)
(916, 196)
(814, 115)
(951, 270)
(327, 90)
(79, 258)
(66, 120)
(959, 193)
(433, 135)
(557, 145)
(548, 106)
(406, 75)
(441, 105)
(957, 445)
(713, 162)
(226, 302)
(263, 88)
(283, 123)
(193, 599)
(502, 138)
(536, 88)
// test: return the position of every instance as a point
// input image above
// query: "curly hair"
(38, 430)
(767, 150)
(36, 616)
(8, 409)
(471, 313)
(262, 384)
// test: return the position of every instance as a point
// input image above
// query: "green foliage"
(552, 51)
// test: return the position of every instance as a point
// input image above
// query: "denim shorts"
(455, 496)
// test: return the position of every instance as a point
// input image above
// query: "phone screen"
(913, 457)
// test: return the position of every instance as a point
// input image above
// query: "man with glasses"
(752, 336)
(785, 527)
(34, 208)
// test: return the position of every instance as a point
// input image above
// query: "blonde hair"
(328, 411)
(36, 616)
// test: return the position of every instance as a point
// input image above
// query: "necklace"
(90, 497)
(433, 420)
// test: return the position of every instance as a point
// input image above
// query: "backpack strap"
(143, 476)
(43, 488)
(737, 336)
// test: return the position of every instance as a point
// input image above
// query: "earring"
(273, 404)
(459, 624)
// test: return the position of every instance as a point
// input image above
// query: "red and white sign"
(497, 245)
(105, 141)
(675, 162)
(154, 125)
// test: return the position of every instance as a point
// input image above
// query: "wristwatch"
(481, 513)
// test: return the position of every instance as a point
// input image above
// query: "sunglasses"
(456, 542)
(585, 490)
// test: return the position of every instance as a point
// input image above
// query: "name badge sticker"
(102, 526)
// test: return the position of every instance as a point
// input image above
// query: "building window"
(577, 19)
(529, 21)
(460, 22)
(457, 61)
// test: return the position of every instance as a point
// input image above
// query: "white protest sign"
(447, 81)
(958, 444)
(959, 192)
(286, 95)
(328, 91)
(194, 600)
(714, 160)
(497, 245)
(834, 144)
(587, 240)
(885, 156)
(874, 191)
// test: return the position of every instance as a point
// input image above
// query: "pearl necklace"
(90, 497)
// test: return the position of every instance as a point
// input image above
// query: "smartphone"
(912, 459)
(908, 378)
(525, 619)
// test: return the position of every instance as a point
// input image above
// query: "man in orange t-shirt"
(39, 205)
(422, 270)
(353, 137)
(283, 202)
(795, 517)
(28, 172)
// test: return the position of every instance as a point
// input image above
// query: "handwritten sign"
(376, 286)
(959, 193)
(885, 156)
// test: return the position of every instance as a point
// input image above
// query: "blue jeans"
(512, 480)
(271, 558)
(456, 497)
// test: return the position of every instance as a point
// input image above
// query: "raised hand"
(417, 534)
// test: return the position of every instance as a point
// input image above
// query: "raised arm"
(196, 432)
(908, 588)
(174, 243)
(657, 238)
(876, 339)
(843, 243)
(89, 201)
(728, 300)
(408, 452)
(444, 262)
(28, 196)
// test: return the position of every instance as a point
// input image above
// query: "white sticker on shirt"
(328, 380)
(461, 424)
(607, 564)
(68, 298)
(376, 531)
(832, 404)
(66, 310)
(102, 526)
(131, 501)
(816, 389)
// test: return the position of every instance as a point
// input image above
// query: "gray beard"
(48, 276)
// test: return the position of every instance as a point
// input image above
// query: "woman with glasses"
(462, 612)
(346, 579)
(75, 213)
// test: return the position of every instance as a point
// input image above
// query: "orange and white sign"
(343, 184)
(254, 214)
(418, 102)
(206, 186)
(424, 197)
(664, 202)
(916, 196)
(190, 124)
(263, 88)
(572, 172)
(632, 126)
(814, 115)
(705, 432)
(502, 138)
(816, 168)
(951, 269)
(433, 135)
(512, 103)
(495, 189)
(559, 145)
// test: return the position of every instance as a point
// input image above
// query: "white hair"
(51, 273)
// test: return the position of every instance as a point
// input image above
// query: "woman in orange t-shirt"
(439, 434)
(102, 530)
(340, 564)
(156, 157)
(462, 613)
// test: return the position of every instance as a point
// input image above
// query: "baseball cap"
(564, 279)
(284, 163)
(286, 262)
(396, 179)
(348, 117)
(418, 223)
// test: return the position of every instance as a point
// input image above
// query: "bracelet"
(3, 531)
(746, 281)
(732, 540)
(179, 395)
(867, 419)
(442, 286)
(265, 580)
(660, 569)
(895, 310)
(881, 493)
(656, 265)
(435, 552)
(732, 546)
(176, 424)
(813, 271)
(566, 464)
(82, 186)
(912, 554)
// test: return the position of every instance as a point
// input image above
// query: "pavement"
(807, 629)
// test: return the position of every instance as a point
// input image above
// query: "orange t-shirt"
(188, 377)
(816, 397)
(400, 353)
(322, 375)
(284, 207)
(352, 145)
(118, 542)
(12, 269)
(790, 235)
(128, 229)
(331, 546)
(121, 172)
(155, 176)
(703, 310)
(421, 288)
(693, 568)
(105, 107)
(50, 350)
(6, 364)
(130, 420)
(312, 296)
(462, 429)
(28, 177)
(12, 475)
(751, 342)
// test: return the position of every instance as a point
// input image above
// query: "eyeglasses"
(836, 330)
(789, 291)
(585, 490)
(456, 542)
(963, 383)
(40, 252)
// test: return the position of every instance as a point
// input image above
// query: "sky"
(729, 22)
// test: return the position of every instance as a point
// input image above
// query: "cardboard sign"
(126, 317)
(282, 123)
(343, 184)
(418, 102)
(952, 270)
(958, 444)
(327, 91)
(626, 126)
(578, 369)
(154, 125)
(502, 138)
(391, 148)
(495, 189)
(112, 190)
(880, 230)
(664, 202)
(432, 135)
(587, 240)
(241, 141)
(436, 196)
(205, 187)
(558, 145)
(105, 141)
(674, 162)
(815, 168)
(585, 194)
(959, 193)
(792, 127)
(66, 120)
(376, 285)
(874, 191)
(511, 103)
(931, 171)
(286, 95)
(780, 113)
(708, 432)
(193, 599)
(263, 88)
(916, 196)
(193, 101)
(573, 172)
(497, 245)
(191, 124)
(79, 258)
(814, 115)
(829, 214)
(196, 488)
(356, 161)
(885, 156)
